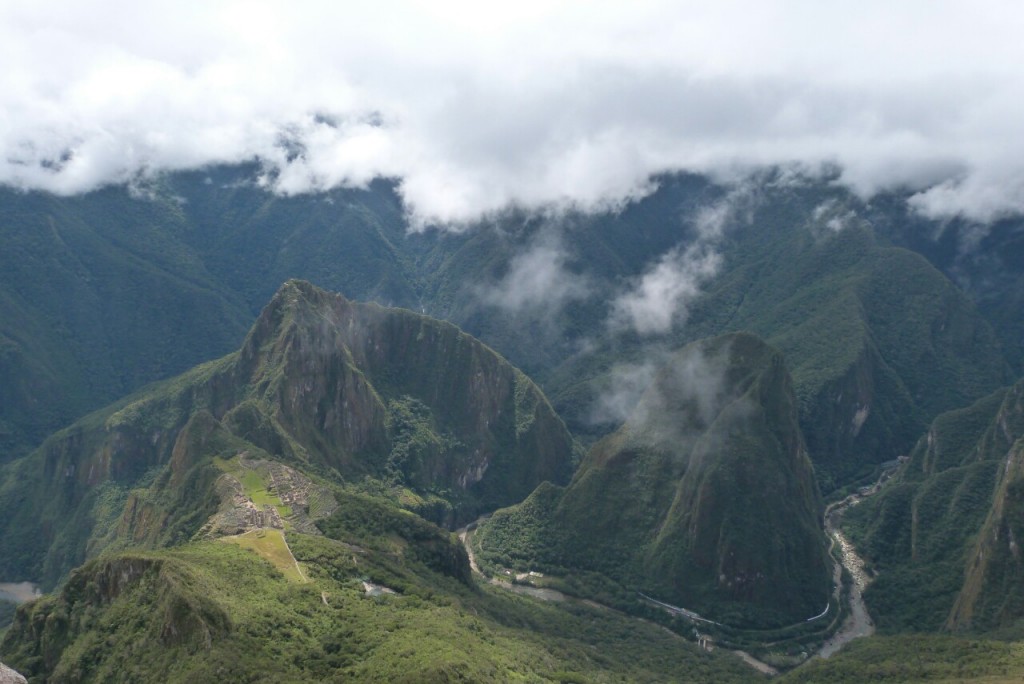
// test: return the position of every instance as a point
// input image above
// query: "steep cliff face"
(344, 390)
(745, 517)
(878, 342)
(862, 409)
(706, 497)
(943, 535)
(365, 388)
(993, 590)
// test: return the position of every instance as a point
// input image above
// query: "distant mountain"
(943, 535)
(98, 296)
(985, 260)
(102, 293)
(705, 498)
(878, 341)
(324, 387)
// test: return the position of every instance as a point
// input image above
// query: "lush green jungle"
(247, 437)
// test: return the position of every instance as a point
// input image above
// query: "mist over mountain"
(705, 498)
(694, 259)
(543, 342)
(878, 339)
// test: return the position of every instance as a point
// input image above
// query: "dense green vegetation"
(918, 659)
(6, 614)
(212, 611)
(98, 295)
(855, 317)
(877, 340)
(396, 423)
(150, 471)
(986, 261)
(337, 389)
(924, 531)
(704, 499)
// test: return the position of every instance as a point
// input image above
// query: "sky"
(477, 107)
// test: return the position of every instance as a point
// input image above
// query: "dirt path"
(298, 568)
(464, 535)
(753, 662)
(541, 593)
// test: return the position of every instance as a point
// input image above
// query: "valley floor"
(546, 594)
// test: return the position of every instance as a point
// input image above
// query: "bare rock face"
(9, 676)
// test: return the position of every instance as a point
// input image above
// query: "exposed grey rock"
(9, 676)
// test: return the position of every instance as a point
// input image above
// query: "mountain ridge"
(343, 408)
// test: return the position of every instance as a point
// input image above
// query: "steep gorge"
(943, 534)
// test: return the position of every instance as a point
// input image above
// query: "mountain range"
(162, 496)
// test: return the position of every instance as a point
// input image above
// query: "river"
(858, 623)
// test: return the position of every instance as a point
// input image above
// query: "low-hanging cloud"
(669, 398)
(660, 298)
(538, 281)
(662, 295)
(476, 108)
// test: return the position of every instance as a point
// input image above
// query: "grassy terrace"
(254, 482)
(271, 544)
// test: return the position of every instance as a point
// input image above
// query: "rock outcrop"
(9, 676)
(347, 391)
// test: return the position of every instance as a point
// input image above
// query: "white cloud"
(833, 216)
(537, 281)
(660, 298)
(625, 385)
(476, 107)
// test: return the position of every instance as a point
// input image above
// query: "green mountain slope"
(97, 297)
(941, 535)
(705, 498)
(985, 261)
(213, 611)
(102, 293)
(384, 399)
(917, 658)
(261, 518)
(878, 341)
